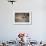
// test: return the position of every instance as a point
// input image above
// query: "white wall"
(37, 30)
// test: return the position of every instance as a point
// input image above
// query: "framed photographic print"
(23, 17)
